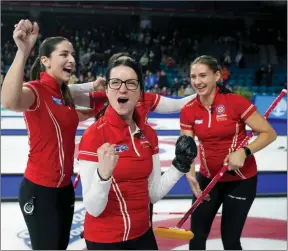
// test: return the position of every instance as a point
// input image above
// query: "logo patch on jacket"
(199, 121)
(121, 148)
(142, 137)
(220, 109)
(143, 141)
(57, 101)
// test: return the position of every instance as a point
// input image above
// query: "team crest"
(142, 137)
(121, 148)
(143, 141)
(220, 109)
(57, 101)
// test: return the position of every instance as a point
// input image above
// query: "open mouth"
(69, 71)
(201, 87)
(122, 100)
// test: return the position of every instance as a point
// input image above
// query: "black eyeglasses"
(131, 84)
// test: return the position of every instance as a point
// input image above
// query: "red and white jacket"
(118, 209)
(51, 127)
(219, 130)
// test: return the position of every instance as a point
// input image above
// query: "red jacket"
(220, 130)
(126, 215)
(51, 130)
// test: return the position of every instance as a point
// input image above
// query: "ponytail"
(222, 88)
(101, 113)
(66, 94)
(35, 69)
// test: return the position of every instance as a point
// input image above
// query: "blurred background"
(248, 38)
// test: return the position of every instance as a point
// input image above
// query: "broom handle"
(77, 178)
(225, 166)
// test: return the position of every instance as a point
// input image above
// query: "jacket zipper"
(209, 113)
(133, 143)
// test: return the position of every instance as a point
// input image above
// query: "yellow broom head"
(173, 233)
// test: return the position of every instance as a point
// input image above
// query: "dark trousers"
(48, 213)
(145, 242)
(237, 198)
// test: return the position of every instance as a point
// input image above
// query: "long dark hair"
(125, 62)
(45, 49)
(212, 63)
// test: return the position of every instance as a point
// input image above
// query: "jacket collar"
(48, 80)
(114, 119)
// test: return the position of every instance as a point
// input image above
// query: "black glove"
(185, 152)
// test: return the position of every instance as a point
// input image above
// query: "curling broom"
(77, 178)
(181, 234)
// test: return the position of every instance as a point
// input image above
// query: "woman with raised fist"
(120, 167)
(46, 193)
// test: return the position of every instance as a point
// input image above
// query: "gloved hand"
(185, 152)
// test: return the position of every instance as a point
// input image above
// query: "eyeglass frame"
(138, 84)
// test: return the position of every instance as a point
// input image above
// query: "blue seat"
(249, 83)
(272, 89)
(232, 82)
(241, 82)
(254, 89)
(234, 76)
(279, 88)
(262, 89)
(168, 74)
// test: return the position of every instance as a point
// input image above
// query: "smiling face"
(61, 63)
(123, 99)
(203, 79)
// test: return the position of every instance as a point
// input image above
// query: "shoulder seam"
(190, 103)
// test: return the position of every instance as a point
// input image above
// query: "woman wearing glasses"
(85, 95)
(120, 167)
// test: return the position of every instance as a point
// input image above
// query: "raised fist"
(108, 158)
(25, 35)
(99, 84)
